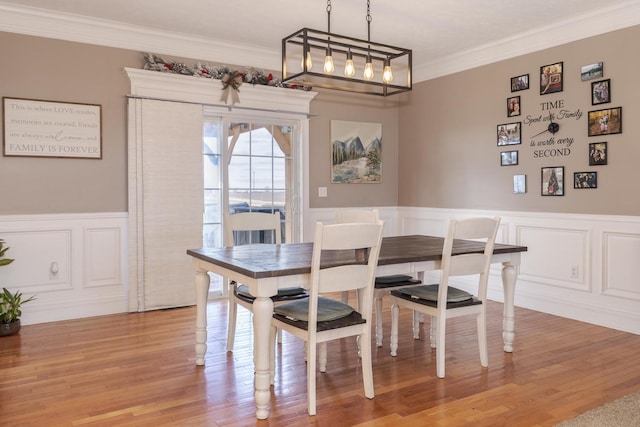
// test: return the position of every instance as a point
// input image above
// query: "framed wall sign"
(36, 128)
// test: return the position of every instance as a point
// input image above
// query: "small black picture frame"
(583, 180)
(509, 158)
(601, 92)
(598, 153)
(513, 106)
(551, 80)
(509, 133)
(552, 180)
(604, 122)
(520, 83)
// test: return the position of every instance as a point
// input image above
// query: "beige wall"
(357, 108)
(46, 69)
(448, 152)
(442, 135)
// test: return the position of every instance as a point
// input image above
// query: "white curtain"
(165, 201)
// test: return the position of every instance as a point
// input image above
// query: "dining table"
(264, 268)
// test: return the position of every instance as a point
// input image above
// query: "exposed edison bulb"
(368, 69)
(387, 74)
(328, 63)
(309, 63)
(349, 68)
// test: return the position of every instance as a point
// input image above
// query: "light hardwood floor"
(139, 370)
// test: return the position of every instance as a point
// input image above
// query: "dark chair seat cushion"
(395, 280)
(284, 294)
(354, 318)
(328, 309)
(428, 295)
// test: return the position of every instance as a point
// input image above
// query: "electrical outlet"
(322, 191)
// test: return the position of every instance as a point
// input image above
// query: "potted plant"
(10, 304)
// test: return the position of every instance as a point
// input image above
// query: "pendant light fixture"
(374, 61)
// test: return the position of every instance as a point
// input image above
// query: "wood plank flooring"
(139, 370)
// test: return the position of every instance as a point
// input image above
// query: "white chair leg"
(367, 368)
(482, 339)
(440, 346)
(416, 325)
(432, 332)
(395, 314)
(232, 319)
(279, 333)
(378, 304)
(322, 358)
(311, 378)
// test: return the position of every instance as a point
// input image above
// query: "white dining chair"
(269, 226)
(383, 284)
(442, 301)
(320, 318)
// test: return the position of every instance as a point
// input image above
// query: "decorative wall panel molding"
(74, 263)
(583, 267)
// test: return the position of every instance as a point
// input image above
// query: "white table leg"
(202, 294)
(262, 312)
(508, 317)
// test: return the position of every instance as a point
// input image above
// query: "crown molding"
(569, 30)
(69, 27)
(63, 26)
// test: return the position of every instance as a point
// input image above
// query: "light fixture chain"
(369, 20)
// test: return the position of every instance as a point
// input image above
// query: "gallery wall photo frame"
(41, 128)
(519, 184)
(604, 122)
(509, 133)
(601, 92)
(598, 153)
(356, 152)
(583, 180)
(592, 71)
(520, 83)
(513, 106)
(509, 158)
(551, 79)
(552, 180)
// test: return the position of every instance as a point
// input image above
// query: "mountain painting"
(356, 150)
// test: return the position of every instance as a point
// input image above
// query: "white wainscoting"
(583, 267)
(74, 263)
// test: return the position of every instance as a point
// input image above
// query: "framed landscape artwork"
(356, 152)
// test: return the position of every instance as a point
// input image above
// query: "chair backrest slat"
(357, 274)
(251, 221)
(478, 229)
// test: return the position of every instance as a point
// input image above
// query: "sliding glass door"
(249, 166)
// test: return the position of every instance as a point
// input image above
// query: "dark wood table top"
(263, 260)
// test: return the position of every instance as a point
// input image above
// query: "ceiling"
(445, 35)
